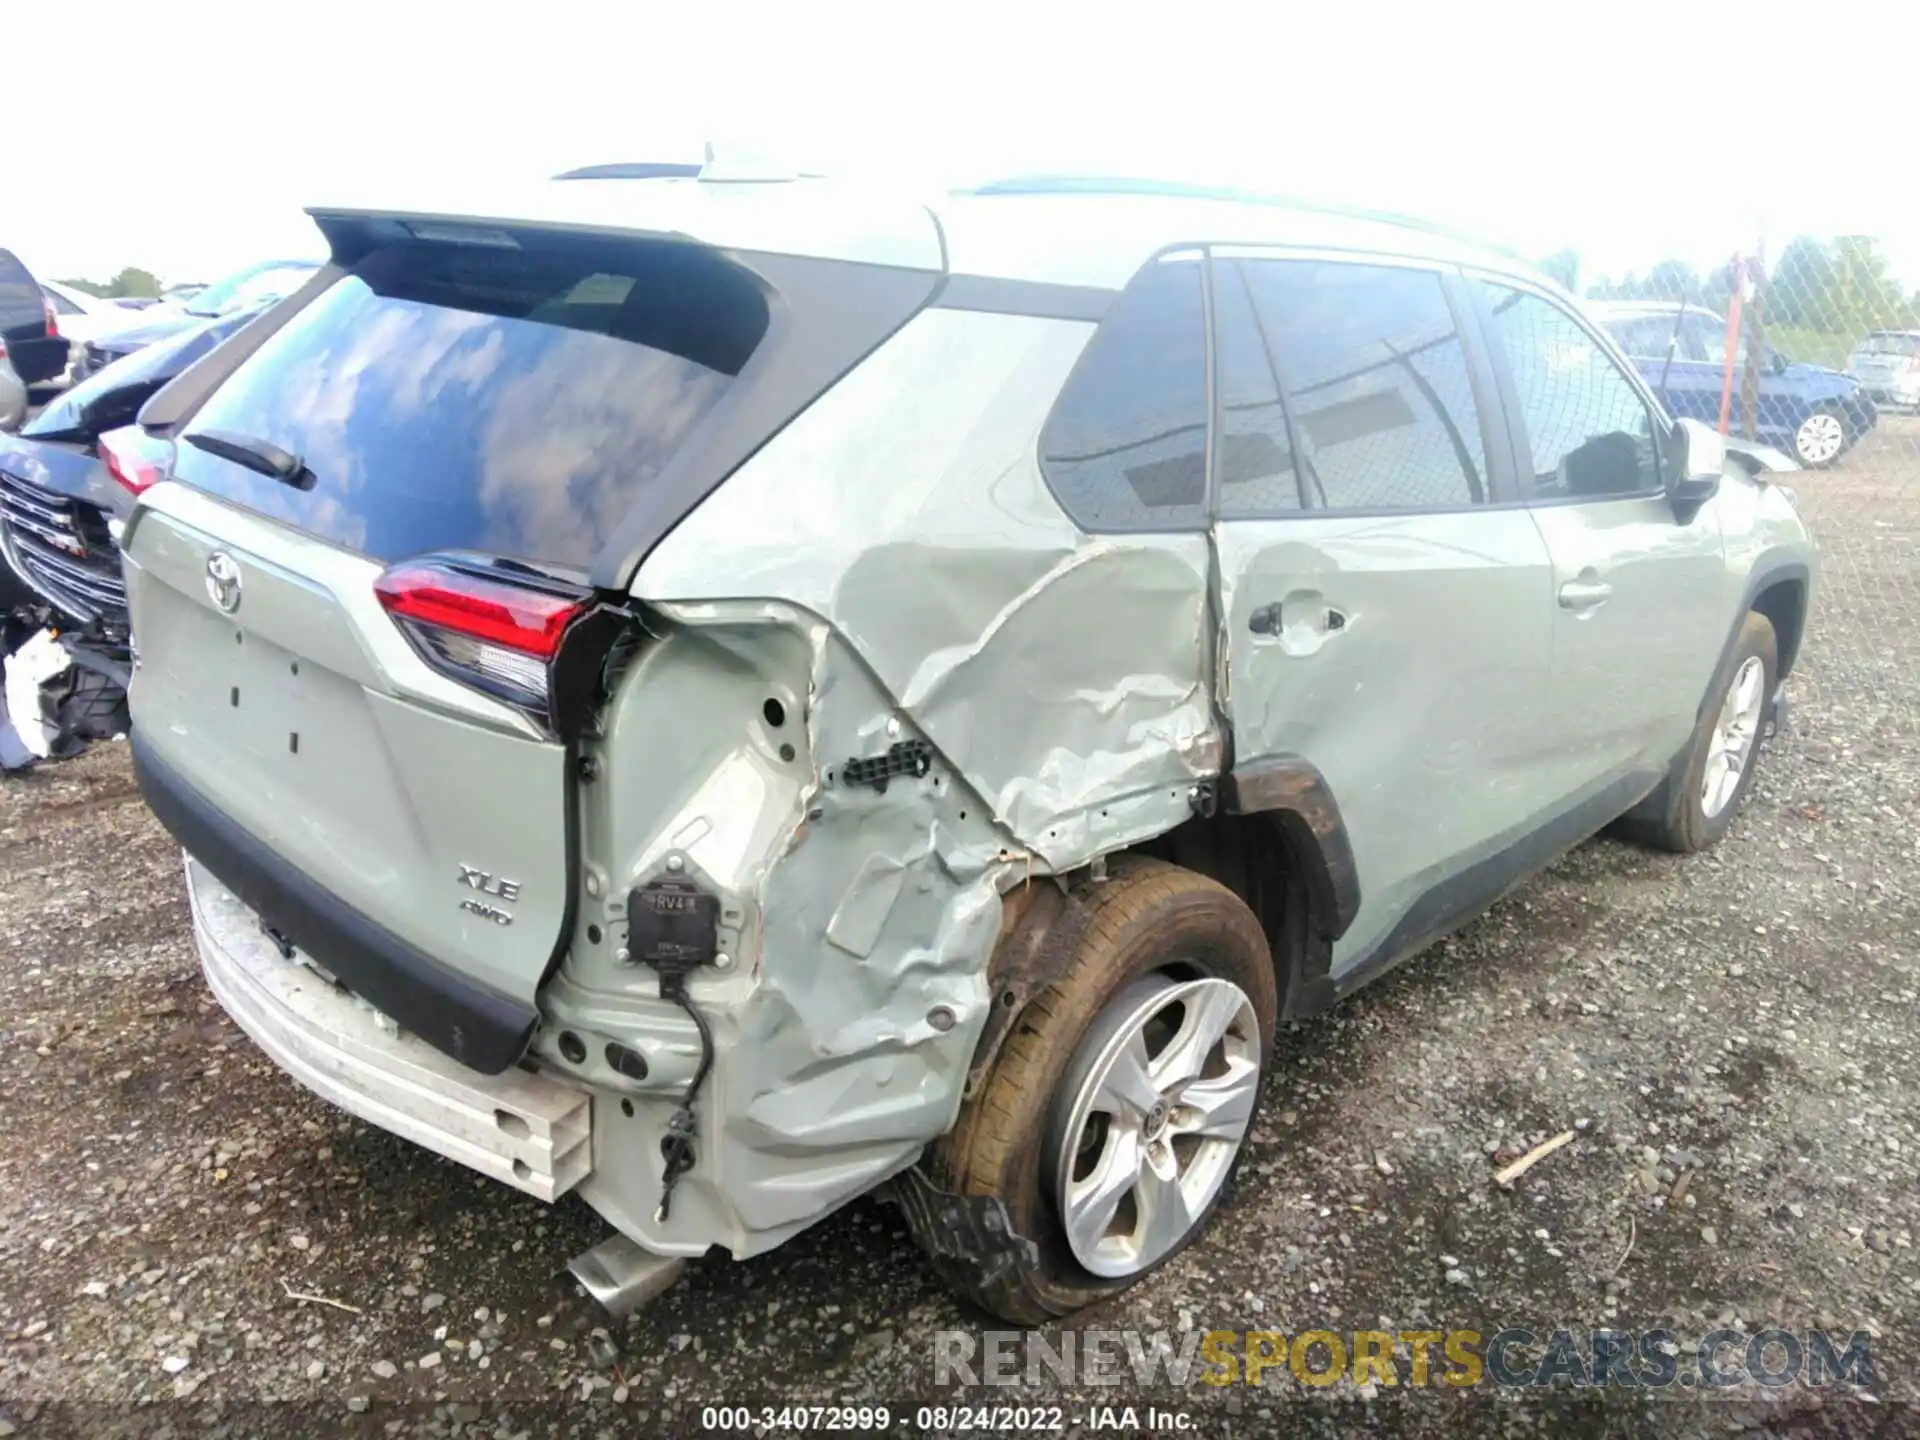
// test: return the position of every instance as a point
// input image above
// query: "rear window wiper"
(262, 457)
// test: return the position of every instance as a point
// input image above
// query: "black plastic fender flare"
(1293, 793)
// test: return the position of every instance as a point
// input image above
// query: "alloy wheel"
(1156, 1105)
(1730, 748)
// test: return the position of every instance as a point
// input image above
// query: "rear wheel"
(1117, 1111)
(1820, 439)
(1709, 782)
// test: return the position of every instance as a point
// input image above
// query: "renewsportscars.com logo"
(1514, 1357)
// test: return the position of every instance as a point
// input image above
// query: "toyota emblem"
(223, 581)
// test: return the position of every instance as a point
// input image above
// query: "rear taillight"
(53, 319)
(498, 632)
(133, 458)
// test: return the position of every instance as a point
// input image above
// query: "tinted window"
(1648, 337)
(1705, 338)
(1255, 462)
(465, 397)
(1589, 432)
(1126, 445)
(61, 305)
(1375, 380)
(1884, 344)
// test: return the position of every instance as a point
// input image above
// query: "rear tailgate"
(394, 798)
(316, 764)
(372, 771)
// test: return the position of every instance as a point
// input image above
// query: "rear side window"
(1375, 383)
(1126, 445)
(1590, 433)
(1884, 344)
(467, 397)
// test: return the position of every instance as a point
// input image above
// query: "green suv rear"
(726, 696)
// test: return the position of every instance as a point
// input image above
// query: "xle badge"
(488, 884)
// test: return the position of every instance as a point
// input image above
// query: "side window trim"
(1210, 443)
(1510, 394)
(1216, 412)
(1496, 426)
(1503, 483)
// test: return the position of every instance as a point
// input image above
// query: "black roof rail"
(1188, 190)
(634, 170)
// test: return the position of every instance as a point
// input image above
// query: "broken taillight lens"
(496, 629)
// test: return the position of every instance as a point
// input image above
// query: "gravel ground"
(1730, 1037)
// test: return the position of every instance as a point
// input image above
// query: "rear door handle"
(1320, 618)
(1584, 594)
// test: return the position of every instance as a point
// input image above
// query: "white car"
(81, 317)
(1887, 362)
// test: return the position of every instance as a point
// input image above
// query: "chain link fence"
(1815, 351)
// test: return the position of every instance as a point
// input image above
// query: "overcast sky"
(186, 136)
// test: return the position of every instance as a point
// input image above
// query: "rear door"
(1640, 598)
(347, 605)
(1385, 599)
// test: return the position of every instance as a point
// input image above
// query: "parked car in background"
(244, 291)
(29, 337)
(1813, 413)
(1887, 363)
(567, 697)
(71, 474)
(82, 318)
(13, 398)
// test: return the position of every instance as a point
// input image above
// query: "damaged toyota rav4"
(724, 697)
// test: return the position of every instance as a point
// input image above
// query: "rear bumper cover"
(484, 1031)
(530, 1132)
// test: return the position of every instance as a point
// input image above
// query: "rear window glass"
(1891, 345)
(466, 397)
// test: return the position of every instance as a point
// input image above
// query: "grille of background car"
(62, 549)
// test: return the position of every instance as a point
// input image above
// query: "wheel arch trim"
(1767, 576)
(1295, 796)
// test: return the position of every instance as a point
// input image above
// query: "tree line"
(1838, 287)
(132, 283)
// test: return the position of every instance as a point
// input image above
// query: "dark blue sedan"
(1814, 414)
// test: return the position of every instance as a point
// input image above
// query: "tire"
(1155, 930)
(1679, 816)
(1821, 438)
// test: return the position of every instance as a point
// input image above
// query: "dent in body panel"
(1762, 531)
(1425, 709)
(1064, 676)
(856, 926)
(890, 568)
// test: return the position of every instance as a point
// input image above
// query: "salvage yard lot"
(1748, 1020)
